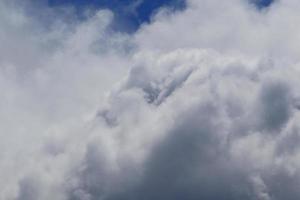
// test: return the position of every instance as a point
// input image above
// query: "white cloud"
(201, 104)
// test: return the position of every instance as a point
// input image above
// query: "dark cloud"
(275, 105)
(29, 189)
(190, 162)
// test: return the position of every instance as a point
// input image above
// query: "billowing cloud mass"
(197, 104)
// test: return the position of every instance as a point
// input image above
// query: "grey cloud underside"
(202, 155)
(223, 129)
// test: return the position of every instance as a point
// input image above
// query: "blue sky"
(130, 14)
(264, 3)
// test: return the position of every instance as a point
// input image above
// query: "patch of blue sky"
(129, 14)
(263, 3)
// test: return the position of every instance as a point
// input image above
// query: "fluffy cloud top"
(198, 104)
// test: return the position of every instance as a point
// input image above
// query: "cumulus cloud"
(197, 104)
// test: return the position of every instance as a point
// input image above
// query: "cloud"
(200, 104)
(215, 136)
(234, 27)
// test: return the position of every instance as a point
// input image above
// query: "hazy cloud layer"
(198, 104)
